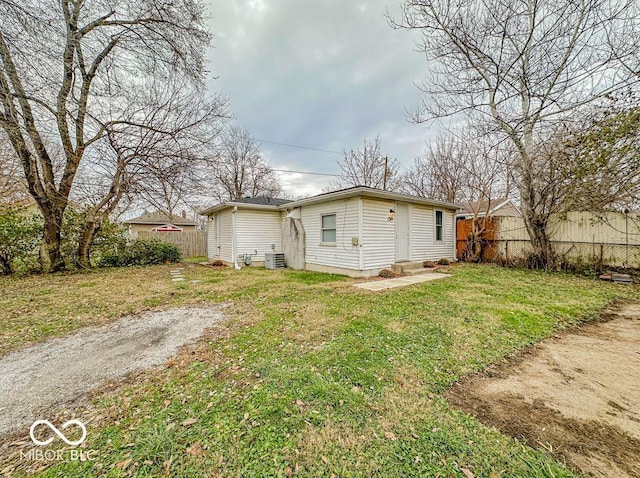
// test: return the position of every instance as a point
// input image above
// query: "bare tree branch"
(525, 65)
(368, 167)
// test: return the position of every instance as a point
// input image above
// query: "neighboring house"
(503, 207)
(161, 222)
(356, 231)
(26, 207)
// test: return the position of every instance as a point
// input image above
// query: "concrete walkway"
(400, 281)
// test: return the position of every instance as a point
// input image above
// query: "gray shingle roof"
(265, 201)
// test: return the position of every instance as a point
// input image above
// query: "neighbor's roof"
(161, 218)
(282, 204)
(481, 207)
(248, 203)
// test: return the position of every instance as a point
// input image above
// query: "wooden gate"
(488, 238)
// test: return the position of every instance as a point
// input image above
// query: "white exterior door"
(403, 253)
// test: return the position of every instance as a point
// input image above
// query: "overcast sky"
(323, 74)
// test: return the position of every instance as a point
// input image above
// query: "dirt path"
(576, 396)
(59, 370)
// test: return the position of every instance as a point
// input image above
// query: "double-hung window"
(439, 225)
(329, 229)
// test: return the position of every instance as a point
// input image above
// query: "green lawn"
(312, 377)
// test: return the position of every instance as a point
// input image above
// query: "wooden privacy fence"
(610, 238)
(597, 254)
(191, 244)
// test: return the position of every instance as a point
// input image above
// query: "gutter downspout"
(234, 247)
(455, 237)
(360, 233)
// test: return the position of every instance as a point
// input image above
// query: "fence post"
(601, 261)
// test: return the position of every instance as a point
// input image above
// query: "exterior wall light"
(391, 216)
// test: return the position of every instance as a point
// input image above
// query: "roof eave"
(364, 191)
(240, 205)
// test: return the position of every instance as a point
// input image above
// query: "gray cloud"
(324, 74)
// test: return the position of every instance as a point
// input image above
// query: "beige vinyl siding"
(423, 235)
(226, 238)
(257, 231)
(508, 210)
(378, 234)
(342, 254)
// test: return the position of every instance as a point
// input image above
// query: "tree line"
(103, 104)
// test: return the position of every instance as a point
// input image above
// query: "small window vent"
(274, 260)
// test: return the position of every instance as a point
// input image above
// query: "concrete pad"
(177, 279)
(399, 282)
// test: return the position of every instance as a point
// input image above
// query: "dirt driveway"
(59, 370)
(576, 396)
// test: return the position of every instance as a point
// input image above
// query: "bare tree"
(13, 187)
(467, 168)
(441, 172)
(592, 164)
(368, 167)
(155, 156)
(69, 69)
(525, 64)
(239, 169)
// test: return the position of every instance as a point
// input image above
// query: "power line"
(307, 172)
(297, 146)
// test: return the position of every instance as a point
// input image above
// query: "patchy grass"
(194, 259)
(315, 377)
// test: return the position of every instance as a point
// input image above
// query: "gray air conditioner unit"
(274, 260)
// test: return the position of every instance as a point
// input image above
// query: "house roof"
(283, 204)
(248, 203)
(264, 201)
(371, 192)
(160, 218)
(484, 206)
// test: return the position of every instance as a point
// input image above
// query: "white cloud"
(324, 74)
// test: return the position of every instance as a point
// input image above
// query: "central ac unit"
(274, 260)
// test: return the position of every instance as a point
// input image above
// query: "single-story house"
(159, 221)
(356, 231)
(502, 207)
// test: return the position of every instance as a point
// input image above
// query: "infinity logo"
(58, 432)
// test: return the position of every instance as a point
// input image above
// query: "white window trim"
(322, 229)
(435, 225)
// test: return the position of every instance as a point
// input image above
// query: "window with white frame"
(329, 228)
(439, 225)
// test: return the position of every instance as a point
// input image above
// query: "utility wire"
(307, 172)
(297, 146)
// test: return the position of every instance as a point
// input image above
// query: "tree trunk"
(543, 253)
(85, 241)
(50, 256)
(477, 232)
(5, 265)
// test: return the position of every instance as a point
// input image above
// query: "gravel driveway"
(63, 368)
